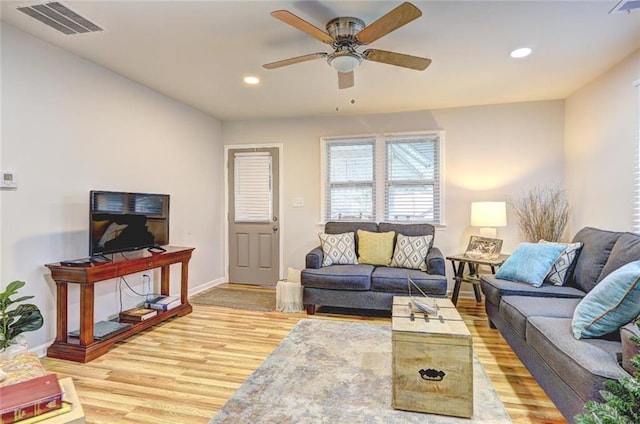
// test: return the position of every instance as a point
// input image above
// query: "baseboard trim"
(205, 286)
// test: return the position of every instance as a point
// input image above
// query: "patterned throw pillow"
(562, 267)
(411, 252)
(612, 303)
(338, 249)
(375, 248)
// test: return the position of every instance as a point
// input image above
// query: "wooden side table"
(473, 277)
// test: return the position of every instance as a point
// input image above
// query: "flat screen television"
(121, 221)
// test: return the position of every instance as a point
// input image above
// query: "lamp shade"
(488, 214)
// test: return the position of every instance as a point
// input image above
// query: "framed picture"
(483, 248)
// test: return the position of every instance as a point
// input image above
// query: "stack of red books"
(28, 391)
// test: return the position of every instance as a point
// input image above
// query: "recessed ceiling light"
(521, 52)
(251, 80)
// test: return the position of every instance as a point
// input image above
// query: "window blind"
(412, 179)
(252, 187)
(636, 211)
(349, 179)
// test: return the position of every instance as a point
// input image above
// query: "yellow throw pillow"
(375, 248)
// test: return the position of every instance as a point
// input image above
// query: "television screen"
(127, 221)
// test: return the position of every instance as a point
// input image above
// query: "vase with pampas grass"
(542, 214)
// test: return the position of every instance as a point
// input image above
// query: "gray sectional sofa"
(365, 286)
(536, 322)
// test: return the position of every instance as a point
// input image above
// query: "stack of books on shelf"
(29, 394)
(163, 303)
(138, 314)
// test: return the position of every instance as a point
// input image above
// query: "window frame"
(636, 207)
(325, 185)
(380, 166)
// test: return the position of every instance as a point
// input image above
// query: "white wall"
(70, 126)
(601, 148)
(491, 152)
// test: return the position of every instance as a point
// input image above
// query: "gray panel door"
(254, 242)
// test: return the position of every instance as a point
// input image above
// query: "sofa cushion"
(411, 252)
(394, 280)
(593, 256)
(564, 264)
(494, 288)
(629, 347)
(626, 249)
(614, 302)
(375, 248)
(530, 262)
(515, 310)
(338, 249)
(583, 364)
(338, 277)
(338, 227)
(410, 230)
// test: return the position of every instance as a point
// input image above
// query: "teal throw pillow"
(530, 263)
(612, 303)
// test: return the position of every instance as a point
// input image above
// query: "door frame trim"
(280, 147)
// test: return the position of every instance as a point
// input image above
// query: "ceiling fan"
(346, 34)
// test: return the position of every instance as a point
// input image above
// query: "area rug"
(237, 298)
(337, 372)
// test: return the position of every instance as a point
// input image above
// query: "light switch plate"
(297, 202)
(8, 179)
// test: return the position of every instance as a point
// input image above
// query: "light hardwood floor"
(184, 370)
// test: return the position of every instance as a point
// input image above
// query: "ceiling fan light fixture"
(345, 62)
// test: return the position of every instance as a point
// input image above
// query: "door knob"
(275, 228)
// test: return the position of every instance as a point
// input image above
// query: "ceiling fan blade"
(397, 59)
(345, 80)
(304, 26)
(292, 60)
(393, 20)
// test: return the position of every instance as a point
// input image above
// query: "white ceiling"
(199, 51)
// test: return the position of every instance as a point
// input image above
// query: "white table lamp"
(488, 216)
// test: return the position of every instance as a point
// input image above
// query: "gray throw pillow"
(338, 249)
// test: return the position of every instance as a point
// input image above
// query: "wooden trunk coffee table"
(432, 360)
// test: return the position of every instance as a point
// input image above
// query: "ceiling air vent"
(60, 18)
(625, 6)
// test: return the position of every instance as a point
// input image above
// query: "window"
(350, 179)
(636, 212)
(253, 192)
(391, 177)
(411, 192)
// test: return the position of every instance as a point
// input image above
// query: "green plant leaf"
(22, 318)
(29, 319)
(9, 302)
(12, 288)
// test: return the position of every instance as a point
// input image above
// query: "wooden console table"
(84, 348)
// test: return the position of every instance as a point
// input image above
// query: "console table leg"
(86, 314)
(164, 280)
(184, 283)
(61, 311)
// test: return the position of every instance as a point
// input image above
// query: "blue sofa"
(536, 322)
(365, 286)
